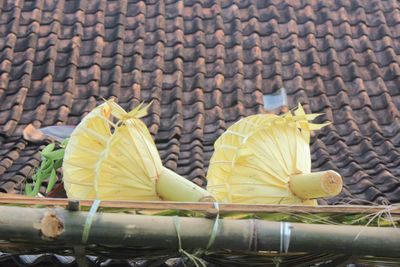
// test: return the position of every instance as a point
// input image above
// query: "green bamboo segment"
(173, 187)
(316, 184)
(60, 227)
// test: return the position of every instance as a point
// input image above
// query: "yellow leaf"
(122, 164)
(255, 158)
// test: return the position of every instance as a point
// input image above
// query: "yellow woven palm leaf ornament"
(118, 160)
(265, 159)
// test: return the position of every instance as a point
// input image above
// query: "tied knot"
(194, 257)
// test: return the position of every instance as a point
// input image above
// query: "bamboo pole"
(316, 184)
(394, 210)
(62, 227)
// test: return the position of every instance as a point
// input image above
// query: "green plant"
(51, 160)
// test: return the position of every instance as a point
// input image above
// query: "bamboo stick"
(204, 206)
(316, 184)
(62, 227)
(173, 187)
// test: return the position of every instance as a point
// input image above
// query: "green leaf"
(52, 160)
(57, 164)
(52, 181)
(36, 188)
(64, 143)
(42, 176)
(54, 155)
(37, 174)
(45, 163)
(28, 189)
(46, 166)
(48, 148)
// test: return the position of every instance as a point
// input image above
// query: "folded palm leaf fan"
(265, 159)
(117, 160)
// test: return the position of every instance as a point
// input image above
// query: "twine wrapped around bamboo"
(119, 161)
(265, 159)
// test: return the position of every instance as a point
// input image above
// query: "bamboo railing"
(203, 206)
(43, 223)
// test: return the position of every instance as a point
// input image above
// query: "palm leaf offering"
(117, 159)
(265, 159)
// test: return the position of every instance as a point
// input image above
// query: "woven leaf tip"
(302, 120)
(136, 113)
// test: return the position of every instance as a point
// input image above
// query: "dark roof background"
(206, 64)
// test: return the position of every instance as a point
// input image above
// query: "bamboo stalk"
(316, 184)
(203, 206)
(60, 228)
(173, 187)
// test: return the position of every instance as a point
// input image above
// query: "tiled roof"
(206, 64)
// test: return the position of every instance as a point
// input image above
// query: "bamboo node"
(51, 226)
